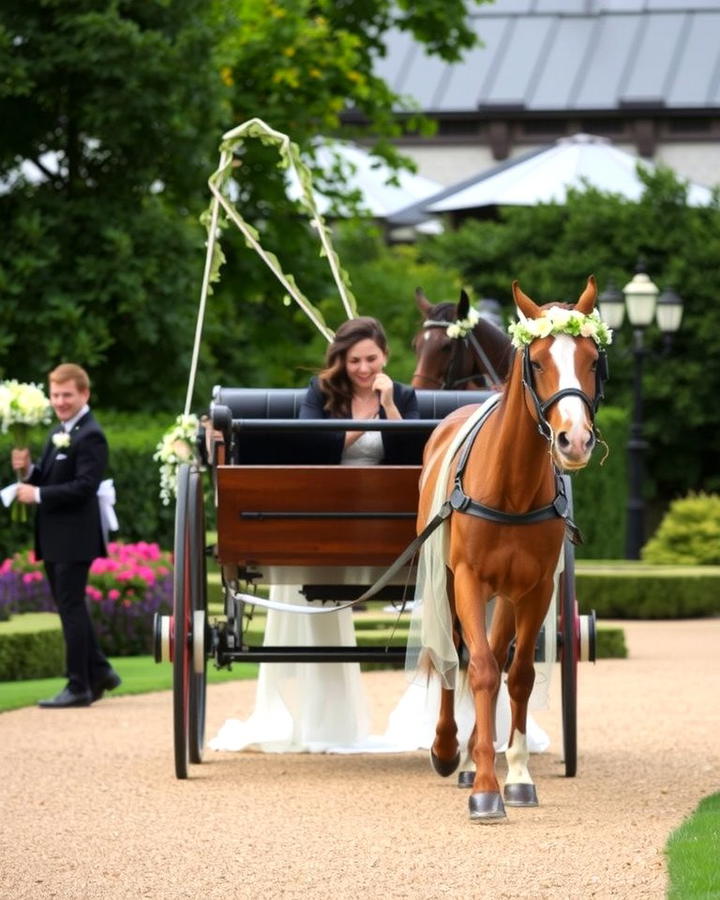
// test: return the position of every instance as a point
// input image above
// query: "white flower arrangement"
(176, 447)
(557, 320)
(462, 327)
(22, 406)
(61, 439)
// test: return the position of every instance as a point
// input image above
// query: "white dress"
(307, 707)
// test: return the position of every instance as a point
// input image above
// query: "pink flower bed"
(124, 590)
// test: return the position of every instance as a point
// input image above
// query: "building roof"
(562, 55)
(544, 176)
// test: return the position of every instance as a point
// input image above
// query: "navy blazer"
(67, 520)
(400, 449)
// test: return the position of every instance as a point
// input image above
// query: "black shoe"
(108, 683)
(67, 698)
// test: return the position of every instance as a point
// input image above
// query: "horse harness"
(470, 342)
(459, 501)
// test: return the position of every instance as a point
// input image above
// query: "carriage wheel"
(569, 641)
(198, 608)
(180, 641)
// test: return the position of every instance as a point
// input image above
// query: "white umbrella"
(546, 177)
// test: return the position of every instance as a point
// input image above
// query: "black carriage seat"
(284, 403)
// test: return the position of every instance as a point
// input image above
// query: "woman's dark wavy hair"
(333, 379)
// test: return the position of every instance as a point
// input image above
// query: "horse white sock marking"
(517, 759)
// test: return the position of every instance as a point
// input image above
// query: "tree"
(118, 106)
(108, 104)
(552, 249)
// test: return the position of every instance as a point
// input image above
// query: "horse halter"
(470, 342)
(601, 376)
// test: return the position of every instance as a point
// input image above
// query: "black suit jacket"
(400, 449)
(67, 521)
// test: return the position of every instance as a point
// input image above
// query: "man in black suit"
(68, 529)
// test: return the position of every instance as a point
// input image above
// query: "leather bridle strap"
(542, 408)
(477, 347)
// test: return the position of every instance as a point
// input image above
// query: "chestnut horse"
(506, 520)
(477, 359)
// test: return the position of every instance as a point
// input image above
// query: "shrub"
(689, 533)
(600, 491)
(124, 590)
(638, 591)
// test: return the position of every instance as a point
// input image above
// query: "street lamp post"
(640, 298)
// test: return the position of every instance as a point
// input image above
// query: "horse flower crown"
(557, 320)
(460, 328)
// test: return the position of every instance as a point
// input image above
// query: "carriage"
(486, 494)
(333, 529)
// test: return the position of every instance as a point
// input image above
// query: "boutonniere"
(61, 439)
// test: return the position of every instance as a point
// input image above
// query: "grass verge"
(693, 851)
(140, 675)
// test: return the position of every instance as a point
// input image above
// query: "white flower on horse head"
(557, 320)
(542, 327)
(559, 316)
(61, 439)
(462, 327)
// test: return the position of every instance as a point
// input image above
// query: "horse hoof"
(444, 767)
(520, 795)
(486, 806)
(466, 778)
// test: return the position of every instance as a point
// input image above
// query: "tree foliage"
(552, 249)
(118, 107)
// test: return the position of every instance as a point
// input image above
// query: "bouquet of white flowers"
(176, 447)
(22, 407)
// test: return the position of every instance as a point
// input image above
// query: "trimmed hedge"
(600, 491)
(631, 590)
(32, 654)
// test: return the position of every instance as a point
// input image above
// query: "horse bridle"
(469, 341)
(601, 376)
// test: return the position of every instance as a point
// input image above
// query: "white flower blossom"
(177, 446)
(462, 327)
(61, 439)
(22, 404)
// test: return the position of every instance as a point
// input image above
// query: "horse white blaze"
(517, 757)
(575, 425)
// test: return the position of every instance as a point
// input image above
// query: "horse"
(494, 471)
(477, 356)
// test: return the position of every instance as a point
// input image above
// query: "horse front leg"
(471, 598)
(445, 751)
(519, 786)
(501, 633)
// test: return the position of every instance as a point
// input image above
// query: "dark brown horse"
(505, 533)
(477, 357)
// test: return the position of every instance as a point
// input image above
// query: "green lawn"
(693, 854)
(140, 675)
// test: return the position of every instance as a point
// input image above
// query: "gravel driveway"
(91, 807)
